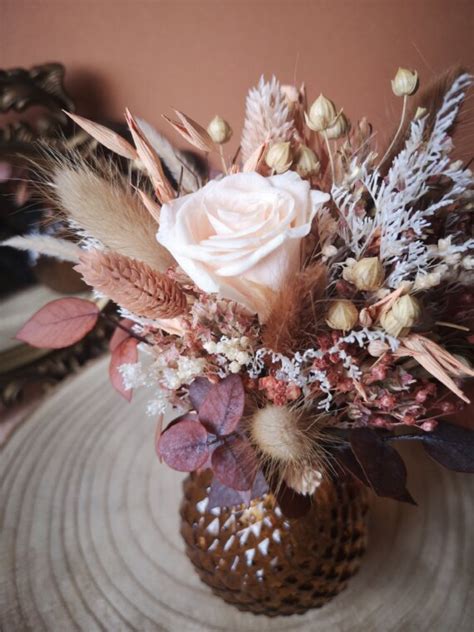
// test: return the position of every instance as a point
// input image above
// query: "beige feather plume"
(108, 211)
(132, 284)
(46, 245)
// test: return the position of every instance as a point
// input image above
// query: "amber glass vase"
(260, 561)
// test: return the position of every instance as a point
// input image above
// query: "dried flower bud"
(307, 163)
(291, 96)
(365, 318)
(367, 274)
(279, 157)
(405, 82)
(342, 314)
(219, 130)
(322, 114)
(377, 348)
(340, 127)
(403, 314)
(420, 113)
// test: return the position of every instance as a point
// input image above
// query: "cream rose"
(240, 236)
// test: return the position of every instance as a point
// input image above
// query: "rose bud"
(279, 157)
(322, 114)
(340, 127)
(367, 274)
(405, 82)
(307, 163)
(404, 313)
(342, 314)
(219, 130)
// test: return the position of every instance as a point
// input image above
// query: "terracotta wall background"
(202, 55)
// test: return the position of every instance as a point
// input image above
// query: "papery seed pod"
(219, 130)
(407, 310)
(340, 127)
(307, 163)
(322, 114)
(403, 314)
(367, 274)
(279, 157)
(405, 82)
(342, 314)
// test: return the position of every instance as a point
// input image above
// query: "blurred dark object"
(31, 108)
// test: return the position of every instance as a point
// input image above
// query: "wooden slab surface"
(90, 538)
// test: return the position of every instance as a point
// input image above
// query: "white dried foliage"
(400, 219)
(267, 118)
(298, 369)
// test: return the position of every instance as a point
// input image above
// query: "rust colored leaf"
(381, 464)
(60, 323)
(223, 406)
(183, 445)
(124, 353)
(120, 334)
(234, 463)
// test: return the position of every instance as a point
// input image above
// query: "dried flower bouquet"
(303, 310)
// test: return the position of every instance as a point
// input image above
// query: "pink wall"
(202, 55)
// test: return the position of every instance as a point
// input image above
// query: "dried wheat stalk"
(132, 284)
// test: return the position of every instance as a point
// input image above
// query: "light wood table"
(90, 535)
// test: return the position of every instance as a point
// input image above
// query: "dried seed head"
(276, 431)
(307, 163)
(219, 130)
(340, 127)
(322, 114)
(342, 314)
(279, 157)
(367, 274)
(403, 314)
(405, 82)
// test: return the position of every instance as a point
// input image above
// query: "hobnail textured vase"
(260, 561)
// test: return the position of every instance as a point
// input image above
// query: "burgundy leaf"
(124, 353)
(381, 464)
(60, 323)
(234, 463)
(291, 503)
(222, 496)
(346, 458)
(183, 445)
(198, 391)
(120, 334)
(223, 406)
(451, 446)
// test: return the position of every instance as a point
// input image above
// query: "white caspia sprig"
(400, 219)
